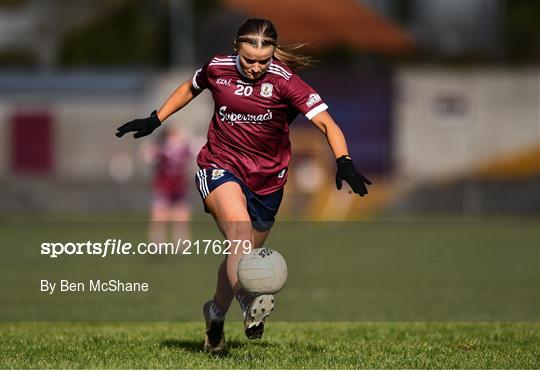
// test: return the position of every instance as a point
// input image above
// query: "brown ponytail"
(261, 33)
(289, 56)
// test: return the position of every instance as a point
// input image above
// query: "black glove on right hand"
(142, 127)
(346, 171)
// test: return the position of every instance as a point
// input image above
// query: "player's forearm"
(178, 99)
(333, 133)
(336, 140)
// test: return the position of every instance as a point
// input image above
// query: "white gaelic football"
(262, 271)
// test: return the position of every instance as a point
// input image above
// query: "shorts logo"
(217, 173)
(313, 98)
(266, 90)
(281, 174)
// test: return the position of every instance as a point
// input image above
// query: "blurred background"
(439, 101)
(440, 104)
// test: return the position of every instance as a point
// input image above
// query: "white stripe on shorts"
(201, 183)
(206, 183)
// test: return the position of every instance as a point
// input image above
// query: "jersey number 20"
(243, 90)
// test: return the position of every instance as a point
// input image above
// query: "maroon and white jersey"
(171, 161)
(249, 132)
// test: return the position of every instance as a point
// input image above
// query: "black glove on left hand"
(142, 127)
(346, 171)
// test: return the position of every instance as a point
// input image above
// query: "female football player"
(243, 165)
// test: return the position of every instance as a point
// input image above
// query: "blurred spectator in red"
(170, 156)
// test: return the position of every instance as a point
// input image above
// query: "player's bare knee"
(238, 230)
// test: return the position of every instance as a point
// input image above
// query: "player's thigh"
(228, 206)
(227, 203)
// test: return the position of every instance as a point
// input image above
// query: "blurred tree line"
(137, 33)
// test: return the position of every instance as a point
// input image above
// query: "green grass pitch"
(380, 294)
(285, 345)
